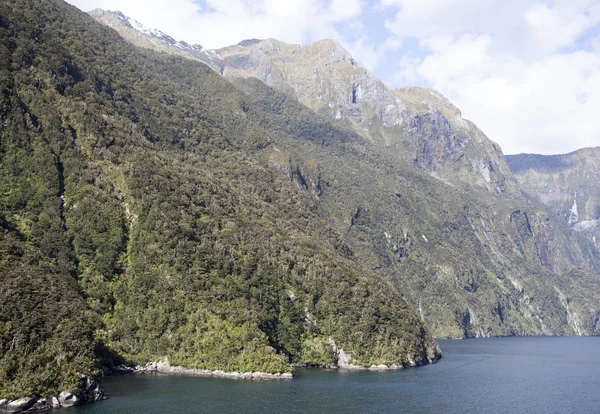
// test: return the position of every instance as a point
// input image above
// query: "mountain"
(420, 125)
(251, 214)
(324, 77)
(473, 263)
(569, 184)
(424, 196)
(146, 215)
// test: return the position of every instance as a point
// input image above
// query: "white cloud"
(549, 107)
(555, 27)
(223, 23)
(514, 68)
(462, 57)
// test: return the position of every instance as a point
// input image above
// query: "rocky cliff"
(569, 184)
(420, 125)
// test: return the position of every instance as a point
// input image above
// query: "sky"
(527, 72)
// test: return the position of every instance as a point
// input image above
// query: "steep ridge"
(569, 184)
(420, 125)
(153, 39)
(142, 188)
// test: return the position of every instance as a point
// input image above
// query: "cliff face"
(569, 184)
(418, 194)
(420, 125)
(450, 147)
(322, 76)
(474, 262)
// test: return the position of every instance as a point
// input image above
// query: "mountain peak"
(249, 42)
(428, 99)
(330, 44)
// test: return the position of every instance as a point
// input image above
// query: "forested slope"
(142, 220)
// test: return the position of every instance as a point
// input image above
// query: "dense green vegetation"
(142, 219)
(46, 335)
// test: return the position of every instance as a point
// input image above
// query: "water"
(502, 375)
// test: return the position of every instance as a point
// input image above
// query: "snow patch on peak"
(148, 31)
(143, 29)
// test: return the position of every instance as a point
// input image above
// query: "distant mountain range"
(259, 207)
(568, 184)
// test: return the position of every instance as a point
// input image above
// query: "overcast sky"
(526, 72)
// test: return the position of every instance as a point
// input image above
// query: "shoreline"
(164, 367)
(94, 391)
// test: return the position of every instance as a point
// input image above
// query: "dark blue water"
(503, 375)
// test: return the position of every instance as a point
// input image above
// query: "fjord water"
(500, 375)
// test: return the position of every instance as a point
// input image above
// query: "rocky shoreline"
(164, 367)
(344, 362)
(92, 391)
